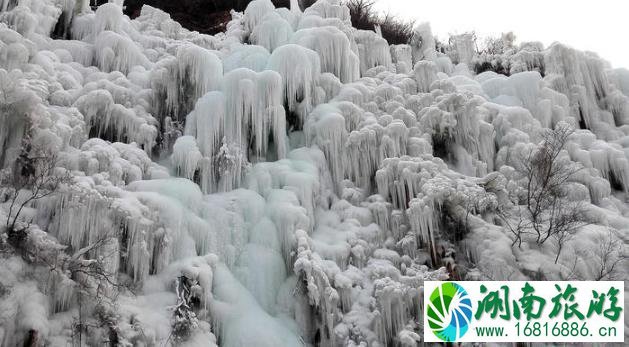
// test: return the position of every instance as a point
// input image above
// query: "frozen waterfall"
(291, 181)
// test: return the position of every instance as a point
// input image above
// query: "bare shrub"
(396, 31)
(546, 191)
(609, 258)
(546, 212)
(33, 177)
(365, 17)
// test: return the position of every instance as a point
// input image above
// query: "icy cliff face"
(290, 181)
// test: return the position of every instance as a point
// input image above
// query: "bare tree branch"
(548, 213)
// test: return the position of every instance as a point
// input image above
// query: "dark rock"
(204, 16)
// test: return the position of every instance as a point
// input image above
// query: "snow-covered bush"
(185, 320)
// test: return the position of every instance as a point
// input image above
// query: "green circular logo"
(449, 311)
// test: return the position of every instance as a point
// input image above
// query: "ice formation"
(291, 181)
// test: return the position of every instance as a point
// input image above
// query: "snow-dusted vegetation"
(291, 181)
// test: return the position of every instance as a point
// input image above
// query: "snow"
(293, 180)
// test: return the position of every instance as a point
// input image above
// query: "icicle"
(240, 97)
(294, 6)
(108, 17)
(329, 9)
(464, 48)
(423, 43)
(200, 68)
(272, 32)
(205, 122)
(186, 156)
(264, 274)
(425, 75)
(334, 51)
(326, 128)
(246, 56)
(255, 12)
(270, 116)
(401, 56)
(329, 237)
(391, 299)
(373, 51)
(178, 82)
(118, 53)
(423, 216)
(300, 69)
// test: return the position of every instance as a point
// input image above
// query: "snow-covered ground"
(292, 181)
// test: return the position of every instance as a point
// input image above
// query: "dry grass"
(365, 17)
